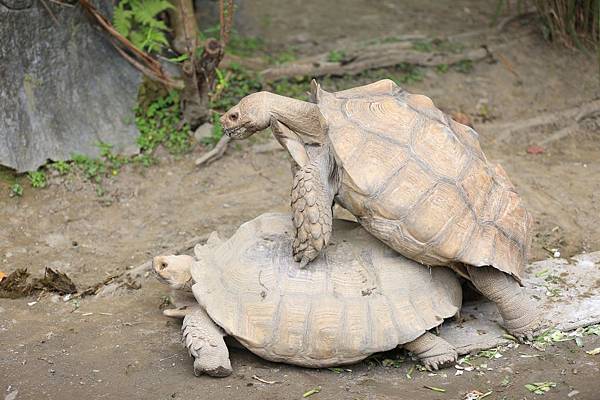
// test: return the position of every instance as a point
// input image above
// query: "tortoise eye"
(234, 116)
(162, 265)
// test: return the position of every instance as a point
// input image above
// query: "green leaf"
(540, 387)
(180, 58)
(122, 19)
(147, 10)
(137, 38)
(311, 392)
(435, 389)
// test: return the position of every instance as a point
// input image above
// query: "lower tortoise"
(359, 299)
(412, 177)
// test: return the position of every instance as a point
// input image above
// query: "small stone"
(573, 393)
(203, 131)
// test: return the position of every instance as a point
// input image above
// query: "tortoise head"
(175, 271)
(252, 114)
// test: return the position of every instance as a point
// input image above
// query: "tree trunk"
(198, 71)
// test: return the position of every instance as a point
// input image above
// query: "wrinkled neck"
(300, 116)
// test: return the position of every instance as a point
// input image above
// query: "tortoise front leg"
(518, 311)
(313, 191)
(433, 351)
(204, 340)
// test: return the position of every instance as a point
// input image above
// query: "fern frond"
(138, 38)
(138, 21)
(147, 10)
(122, 18)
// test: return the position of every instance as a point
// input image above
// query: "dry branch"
(214, 154)
(375, 56)
(570, 116)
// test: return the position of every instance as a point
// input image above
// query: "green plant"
(92, 168)
(62, 167)
(237, 84)
(244, 46)
(423, 46)
(410, 73)
(540, 387)
(441, 68)
(160, 123)
(16, 190)
(296, 88)
(138, 21)
(464, 66)
(336, 56)
(37, 179)
(115, 161)
(283, 57)
(144, 160)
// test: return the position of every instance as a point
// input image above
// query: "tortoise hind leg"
(516, 308)
(204, 340)
(433, 351)
(312, 209)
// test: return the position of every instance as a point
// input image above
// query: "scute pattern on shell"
(357, 298)
(420, 182)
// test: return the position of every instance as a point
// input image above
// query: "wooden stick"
(214, 154)
(503, 131)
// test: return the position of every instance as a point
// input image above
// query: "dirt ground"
(122, 347)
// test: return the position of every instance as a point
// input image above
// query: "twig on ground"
(572, 115)
(264, 380)
(214, 154)
(47, 7)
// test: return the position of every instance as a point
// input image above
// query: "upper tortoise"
(412, 176)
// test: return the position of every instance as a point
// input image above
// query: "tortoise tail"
(311, 213)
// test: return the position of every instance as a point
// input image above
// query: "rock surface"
(63, 87)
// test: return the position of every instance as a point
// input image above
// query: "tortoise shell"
(420, 182)
(358, 298)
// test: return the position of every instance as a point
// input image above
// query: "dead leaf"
(15, 285)
(535, 149)
(594, 351)
(55, 281)
(2, 276)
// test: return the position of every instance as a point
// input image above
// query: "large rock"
(63, 87)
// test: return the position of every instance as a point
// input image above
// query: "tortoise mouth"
(238, 132)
